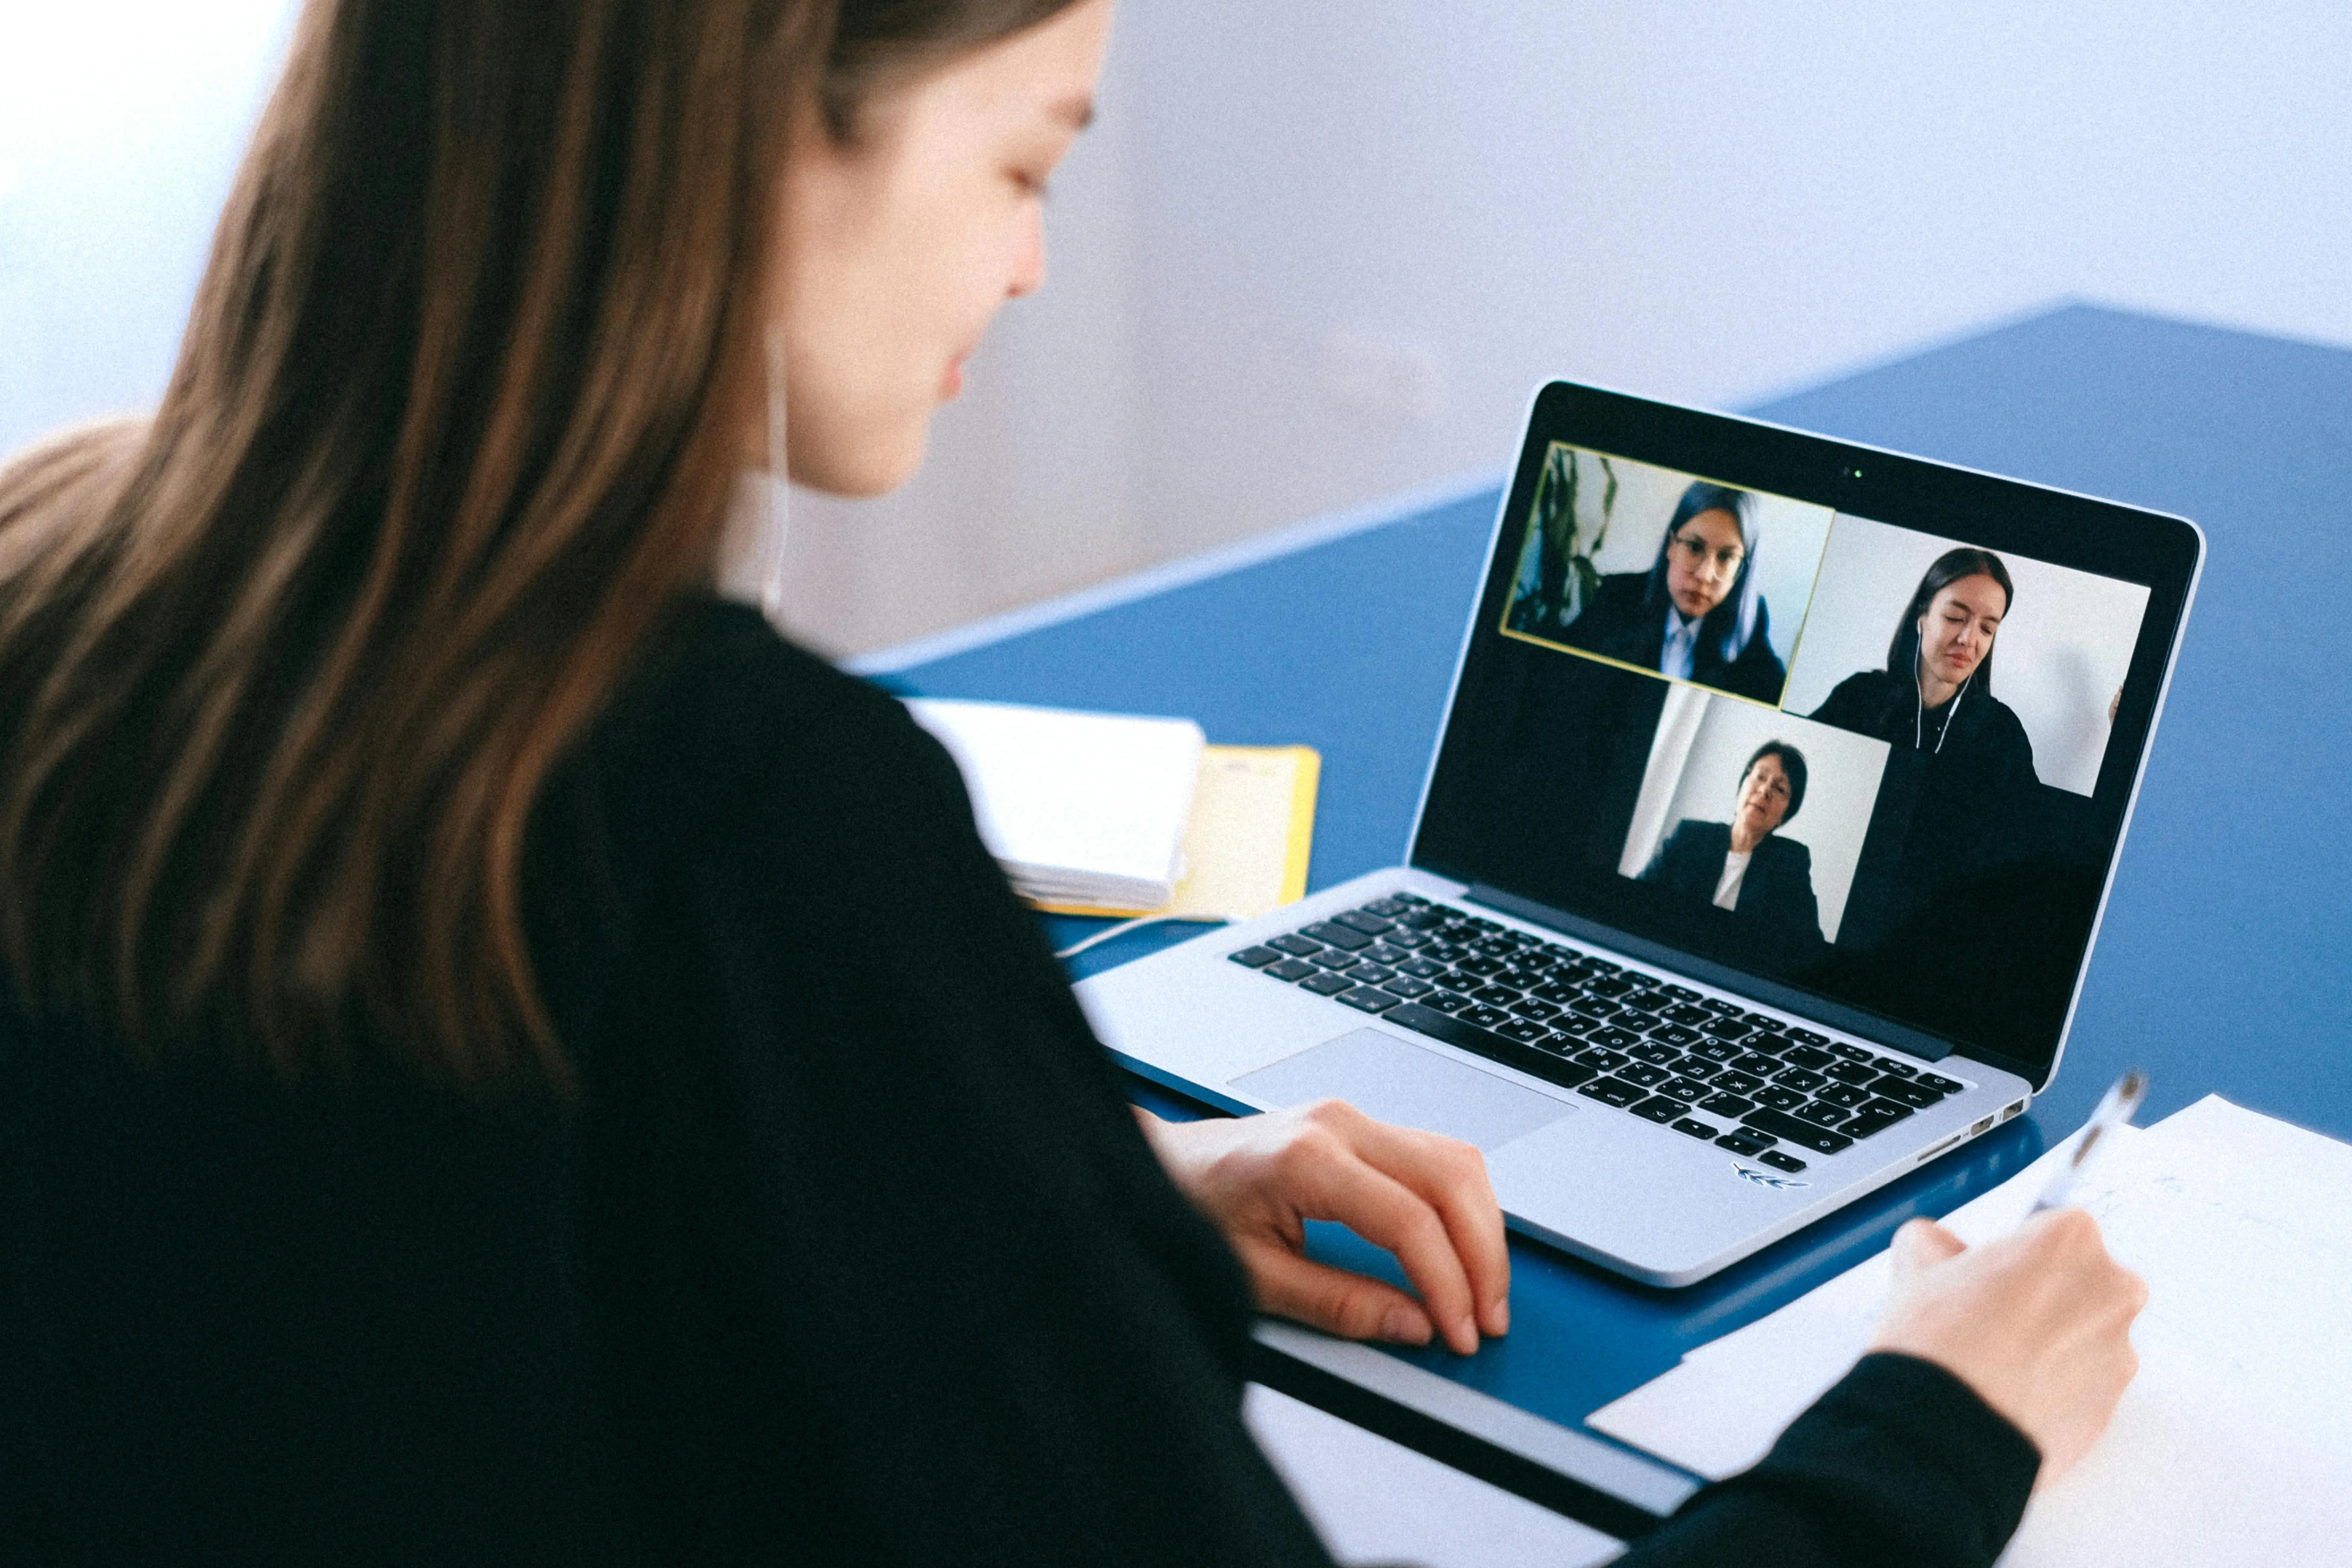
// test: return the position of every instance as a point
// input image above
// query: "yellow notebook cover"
(1247, 841)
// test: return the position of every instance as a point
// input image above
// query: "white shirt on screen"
(1682, 642)
(1735, 871)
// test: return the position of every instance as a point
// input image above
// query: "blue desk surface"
(2222, 963)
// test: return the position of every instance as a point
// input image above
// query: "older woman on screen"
(1935, 693)
(1696, 615)
(1744, 865)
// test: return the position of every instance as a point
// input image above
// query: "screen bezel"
(2161, 552)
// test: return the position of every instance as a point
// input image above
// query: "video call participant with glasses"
(1697, 614)
(505, 1060)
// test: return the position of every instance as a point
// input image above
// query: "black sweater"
(848, 1250)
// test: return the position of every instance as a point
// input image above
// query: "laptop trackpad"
(1395, 1081)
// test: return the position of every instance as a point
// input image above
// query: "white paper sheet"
(2234, 1445)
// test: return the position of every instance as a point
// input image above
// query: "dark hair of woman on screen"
(1697, 614)
(1744, 867)
(503, 1058)
(1935, 697)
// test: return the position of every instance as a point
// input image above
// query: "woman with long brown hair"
(504, 1058)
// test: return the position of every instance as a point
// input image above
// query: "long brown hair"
(284, 669)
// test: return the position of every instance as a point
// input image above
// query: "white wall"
(1321, 251)
(1696, 771)
(2060, 658)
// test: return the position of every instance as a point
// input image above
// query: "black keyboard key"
(1527, 1031)
(1643, 1074)
(1718, 1005)
(1726, 1029)
(1446, 951)
(1457, 980)
(1690, 1091)
(1661, 1110)
(1809, 1056)
(1529, 1008)
(1780, 1098)
(1333, 958)
(1780, 1161)
(1520, 977)
(1803, 1134)
(1476, 964)
(1598, 1007)
(1821, 1115)
(1406, 986)
(1535, 1063)
(1733, 1081)
(1295, 945)
(1680, 993)
(1609, 985)
(1599, 965)
(1688, 1014)
(1337, 935)
(1421, 969)
(1615, 1040)
(1746, 1140)
(1369, 999)
(1484, 1017)
(1612, 1091)
(1414, 900)
(1325, 984)
(1380, 952)
(1766, 1026)
(1655, 1054)
(1845, 1095)
(1390, 907)
(1370, 973)
(1256, 957)
(1574, 1025)
(1698, 1068)
(1941, 1085)
(1758, 1063)
(1607, 1061)
(1839, 1048)
(1726, 1105)
(1690, 1127)
(1401, 937)
(1366, 922)
(1634, 1019)
(1807, 1037)
(1716, 1051)
(1505, 948)
(1553, 991)
(1900, 1069)
(1494, 996)
(1674, 1034)
(1876, 1117)
(1445, 1002)
(1850, 1072)
(1423, 919)
(1794, 1078)
(1906, 1091)
(1290, 969)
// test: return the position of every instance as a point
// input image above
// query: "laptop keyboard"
(1705, 1068)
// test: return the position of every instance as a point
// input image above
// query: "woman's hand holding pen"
(1424, 1197)
(2037, 1322)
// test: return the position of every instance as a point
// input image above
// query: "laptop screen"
(1860, 728)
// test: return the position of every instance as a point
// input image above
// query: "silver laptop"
(1762, 851)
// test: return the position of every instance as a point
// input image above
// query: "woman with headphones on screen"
(505, 1060)
(1935, 695)
(1697, 613)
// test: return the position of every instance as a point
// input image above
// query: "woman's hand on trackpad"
(1422, 1196)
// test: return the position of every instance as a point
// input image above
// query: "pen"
(2115, 1109)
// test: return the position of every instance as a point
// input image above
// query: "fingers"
(1337, 1301)
(1389, 1213)
(1922, 1243)
(1451, 1177)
